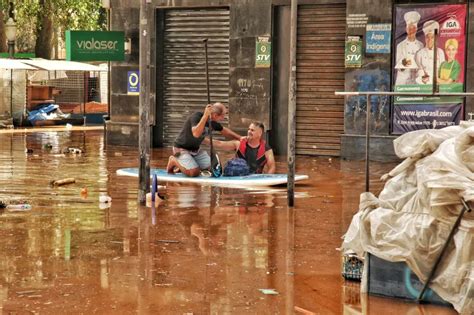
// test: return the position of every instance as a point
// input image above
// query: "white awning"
(58, 65)
(14, 64)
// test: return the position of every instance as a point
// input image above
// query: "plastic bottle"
(19, 207)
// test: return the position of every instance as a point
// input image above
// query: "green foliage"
(65, 15)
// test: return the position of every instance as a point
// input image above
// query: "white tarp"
(413, 215)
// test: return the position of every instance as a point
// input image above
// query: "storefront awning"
(61, 65)
(14, 64)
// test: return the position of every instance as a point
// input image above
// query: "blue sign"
(133, 83)
(378, 38)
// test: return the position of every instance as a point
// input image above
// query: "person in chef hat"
(424, 57)
(406, 50)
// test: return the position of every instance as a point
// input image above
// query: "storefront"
(396, 41)
(248, 52)
(342, 45)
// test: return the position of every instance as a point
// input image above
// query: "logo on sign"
(96, 44)
(451, 24)
(451, 27)
(133, 83)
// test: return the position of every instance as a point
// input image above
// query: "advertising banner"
(415, 67)
(413, 117)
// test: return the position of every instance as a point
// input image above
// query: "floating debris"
(61, 182)
(269, 291)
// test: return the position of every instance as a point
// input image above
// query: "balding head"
(218, 111)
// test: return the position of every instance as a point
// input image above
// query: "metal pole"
(11, 49)
(11, 93)
(144, 104)
(292, 105)
(435, 87)
(108, 69)
(86, 96)
(445, 246)
(367, 144)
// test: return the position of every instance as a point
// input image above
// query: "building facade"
(248, 62)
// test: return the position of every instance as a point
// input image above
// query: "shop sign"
(263, 52)
(353, 52)
(133, 82)
(378, 38)
(95, 46)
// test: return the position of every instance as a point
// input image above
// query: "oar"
(216, 168)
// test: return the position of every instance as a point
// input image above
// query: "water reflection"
(202, 250)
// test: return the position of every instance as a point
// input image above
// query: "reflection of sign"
(353, 52)
(95, 46)
(378, 38)
(263, 52)
(133, 83)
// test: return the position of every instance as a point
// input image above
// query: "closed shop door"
(320, 72)
(183, 60)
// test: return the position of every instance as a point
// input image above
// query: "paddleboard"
(250, 180)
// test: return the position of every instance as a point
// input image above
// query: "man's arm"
(230, 145)
(270, 165)
(229, 134)
(199, 128)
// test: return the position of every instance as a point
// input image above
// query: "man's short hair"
(259, 125)
(218, 108)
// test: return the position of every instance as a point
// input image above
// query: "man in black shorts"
(253, 149)
(187, 156)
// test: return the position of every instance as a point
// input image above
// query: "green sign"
(353, 52)
(95, 46)
(263, 52)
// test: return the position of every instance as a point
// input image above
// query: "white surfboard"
(243, 181)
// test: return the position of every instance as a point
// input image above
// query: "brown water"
(204, 250)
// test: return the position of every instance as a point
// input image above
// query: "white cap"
(412, 17)
(430, 26)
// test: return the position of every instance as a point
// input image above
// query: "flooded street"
(203, 250)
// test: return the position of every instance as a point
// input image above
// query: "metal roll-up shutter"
(184, 76)
(320, 72)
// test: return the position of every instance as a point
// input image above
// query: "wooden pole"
(292, 105)
(144, 137)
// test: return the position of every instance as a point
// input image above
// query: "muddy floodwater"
(202, 250)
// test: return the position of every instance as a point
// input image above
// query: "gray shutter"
(320, 72)
(184, 75)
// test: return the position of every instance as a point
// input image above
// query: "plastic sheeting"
(413, 215)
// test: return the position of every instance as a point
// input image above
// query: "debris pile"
(412, 217)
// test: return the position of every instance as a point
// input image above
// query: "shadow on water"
(202, 250)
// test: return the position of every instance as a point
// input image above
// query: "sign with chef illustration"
(421, 33)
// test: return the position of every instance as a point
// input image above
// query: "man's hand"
(208, 111)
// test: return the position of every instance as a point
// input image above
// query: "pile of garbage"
(412, 217)
(46, 112)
